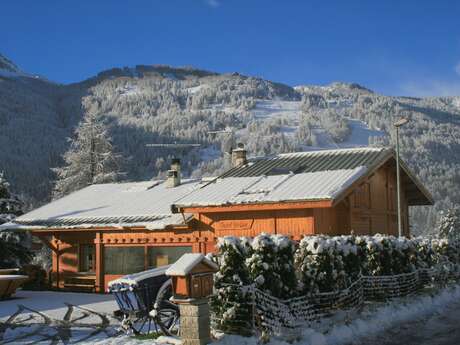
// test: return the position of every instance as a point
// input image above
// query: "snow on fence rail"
(272, 285)
(284, 318)
(386, 287)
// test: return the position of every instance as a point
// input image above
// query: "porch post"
(56, 242)
(99, 263)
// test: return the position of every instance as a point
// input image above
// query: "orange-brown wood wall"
(369, 209)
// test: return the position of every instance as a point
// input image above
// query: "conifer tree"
(449, 224)
(10, 204)
(13, 245)
(231, 304)
(90, 159)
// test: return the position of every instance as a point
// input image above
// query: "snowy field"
(428, 319)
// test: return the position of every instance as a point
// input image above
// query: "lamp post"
(398, 124)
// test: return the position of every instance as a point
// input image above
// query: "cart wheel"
(139, 325)
(167, 313)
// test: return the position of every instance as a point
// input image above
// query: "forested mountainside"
(162, 104)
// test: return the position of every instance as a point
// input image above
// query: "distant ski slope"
(291, 112)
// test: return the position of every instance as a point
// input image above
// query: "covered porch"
(87, 259)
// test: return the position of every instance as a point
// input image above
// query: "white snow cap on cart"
(187, 262)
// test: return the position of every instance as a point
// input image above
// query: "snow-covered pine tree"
(261, 265)
(13, 245)
(379, 255)
(10, 204)
(449, 224)
(320, 265)
(230, 304)
(352, 255)
(89, 160)
(285, 249)
(271, 265)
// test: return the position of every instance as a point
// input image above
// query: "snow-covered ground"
(47, 317)
(195, 89)
(360, 134)
(432, 318)
(421, 320)
(53, 303)
(129, 90)
(288, 110)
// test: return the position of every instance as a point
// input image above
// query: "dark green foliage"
(14, 250)
(230, 304)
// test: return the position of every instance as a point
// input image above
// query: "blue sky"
(394, 47)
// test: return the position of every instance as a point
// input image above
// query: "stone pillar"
(195, 324)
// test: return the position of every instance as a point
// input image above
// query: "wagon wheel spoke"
(167, 319)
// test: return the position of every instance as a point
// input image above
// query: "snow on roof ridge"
(320, 151)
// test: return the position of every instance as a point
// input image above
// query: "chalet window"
(123, 260)
(87, 258)
(160, 256)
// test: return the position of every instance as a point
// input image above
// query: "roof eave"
(429, 198)
(389, 154)
(272, 205)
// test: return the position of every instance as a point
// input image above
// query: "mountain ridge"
(160, 104)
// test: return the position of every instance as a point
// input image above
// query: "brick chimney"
(239, 156)
(173, 179)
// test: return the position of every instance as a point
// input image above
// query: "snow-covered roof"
(311, 161)
(322, 161)
(312, 186)
(146, 204)
(187, 262)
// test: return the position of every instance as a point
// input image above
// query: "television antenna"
(174, 145)
(227, 131)
(180, 147)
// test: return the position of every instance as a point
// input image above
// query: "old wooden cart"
(143, 299)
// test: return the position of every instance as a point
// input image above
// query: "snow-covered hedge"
(231, 305)
(284, 269)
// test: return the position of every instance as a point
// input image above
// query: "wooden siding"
(369, 208)
(373, 205)
(294, 223)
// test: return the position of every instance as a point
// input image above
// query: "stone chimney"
(239, 156)
(173, 179)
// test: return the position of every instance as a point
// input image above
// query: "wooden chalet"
(318, 192)
(104, 231)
